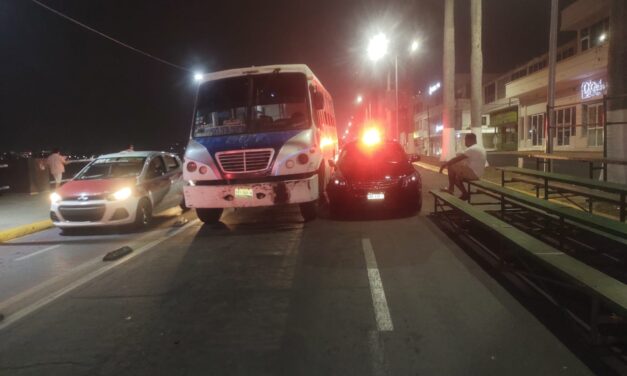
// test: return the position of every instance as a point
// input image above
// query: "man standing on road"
(470, 165)
(56, 163)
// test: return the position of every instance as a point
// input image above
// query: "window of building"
(484, 119)
(537, 66)
(489, 93)
(565, 125)
(519, 73)
(594, 35)
(565, 53)
(536, 129)
(500, 88)
(593, 123)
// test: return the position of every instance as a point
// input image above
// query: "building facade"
(515, 103)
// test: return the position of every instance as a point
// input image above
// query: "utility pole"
(616, 121)
(476, 70)
(448, 68)
(550, 103)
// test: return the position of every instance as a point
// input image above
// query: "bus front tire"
(309, 210)
(209, 215)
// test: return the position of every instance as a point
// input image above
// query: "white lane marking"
(378, 355)
(379, 302)
(38, 252)
(87, 278)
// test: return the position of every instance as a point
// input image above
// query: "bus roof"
(298, 68)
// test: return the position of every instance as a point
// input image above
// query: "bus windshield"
(252, 104)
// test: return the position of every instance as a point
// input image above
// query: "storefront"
(502, 132)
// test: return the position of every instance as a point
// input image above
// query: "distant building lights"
(433, 88)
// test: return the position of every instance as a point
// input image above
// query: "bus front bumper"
(252, 195)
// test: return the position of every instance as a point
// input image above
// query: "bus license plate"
(376, 196)
(242, 192)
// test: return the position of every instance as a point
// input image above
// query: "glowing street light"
(378, 47)
(414, 46)
(602, 37)
(198, 76)
(359, 99)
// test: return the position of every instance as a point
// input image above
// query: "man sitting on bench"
(467, 166)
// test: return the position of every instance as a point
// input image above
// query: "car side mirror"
(318, 100)
(414, 158)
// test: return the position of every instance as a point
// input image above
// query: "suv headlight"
(338, 181)
(410, 179)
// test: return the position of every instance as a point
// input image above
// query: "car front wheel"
(143, 214)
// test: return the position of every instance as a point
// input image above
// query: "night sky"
(63, 85)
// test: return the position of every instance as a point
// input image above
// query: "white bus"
(261, 136)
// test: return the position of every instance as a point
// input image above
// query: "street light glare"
(198, 76)
(414, 46)
(359, 99)
(378, 47)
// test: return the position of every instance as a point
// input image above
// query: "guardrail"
(4, 187)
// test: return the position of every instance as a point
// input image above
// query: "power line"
(110, 38)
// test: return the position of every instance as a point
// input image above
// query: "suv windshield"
(251, 104)
(110, 168)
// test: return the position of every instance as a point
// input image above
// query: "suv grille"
(376, 184)
(245, 160)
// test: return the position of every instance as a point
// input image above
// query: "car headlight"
(55, 197)
(410, 179)
(121, 194)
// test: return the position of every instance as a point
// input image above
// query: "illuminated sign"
(433, 88)
(591, 89)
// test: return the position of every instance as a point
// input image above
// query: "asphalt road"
(266, 294)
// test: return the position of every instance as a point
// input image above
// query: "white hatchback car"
(124, 188)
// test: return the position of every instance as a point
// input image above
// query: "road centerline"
(38, 252)
(379, 302)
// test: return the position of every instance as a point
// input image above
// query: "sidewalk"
(22, 214)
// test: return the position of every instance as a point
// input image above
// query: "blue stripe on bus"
(273, 140)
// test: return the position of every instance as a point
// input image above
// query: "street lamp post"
(377, 49)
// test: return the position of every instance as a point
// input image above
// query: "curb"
(23, 230)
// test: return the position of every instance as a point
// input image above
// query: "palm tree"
(448, 67)
(476, 69)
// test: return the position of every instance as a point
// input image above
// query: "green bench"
(605, 225)
(599, 286)
(548, 177)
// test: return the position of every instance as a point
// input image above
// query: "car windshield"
(386, 159)
(251, 104)
(111, 168)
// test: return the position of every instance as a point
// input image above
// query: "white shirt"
(56, 162)
(477, 159)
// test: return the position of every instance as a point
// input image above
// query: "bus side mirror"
(318, 100)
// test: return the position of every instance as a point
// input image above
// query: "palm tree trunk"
(448, 112)
(617, 89)
(476, 70)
